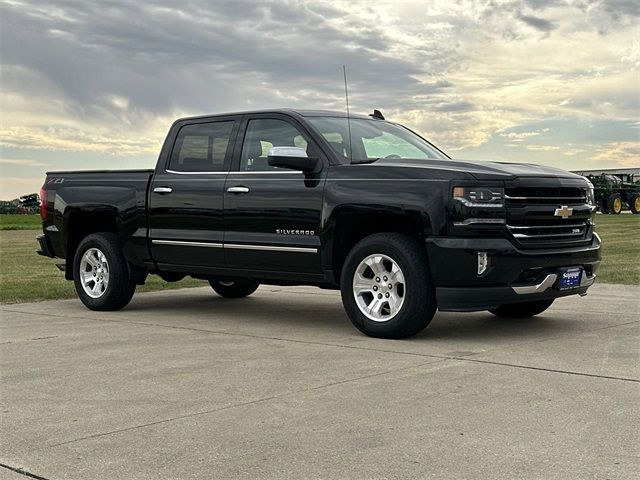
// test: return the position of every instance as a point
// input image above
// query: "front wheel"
(101, 275)
(522, 310)
(233, 289)
(386, 286)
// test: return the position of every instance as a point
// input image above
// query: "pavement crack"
(241, 404)
(553, 370)
(22, 471)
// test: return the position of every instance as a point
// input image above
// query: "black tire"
(522, 310)
(119, 287)
(418, 293)
(634, 204)
(615, 204)
(233, 289)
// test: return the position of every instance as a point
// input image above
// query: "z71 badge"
(286, 231)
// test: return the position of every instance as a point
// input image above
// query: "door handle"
(238, 190)
(162, 190)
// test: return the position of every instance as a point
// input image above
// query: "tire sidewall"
(116, 294)
(417, 290)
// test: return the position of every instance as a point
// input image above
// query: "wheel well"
(81, 224)
(350, 229)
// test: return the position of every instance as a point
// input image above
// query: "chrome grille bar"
(542, 227)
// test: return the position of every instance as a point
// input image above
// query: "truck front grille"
(532, 219)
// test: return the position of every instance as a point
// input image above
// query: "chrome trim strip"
(509, 197)
(548, 281)
(257, 172)
(547, 235)
(187, 244)
(271, 248)
(195, 173)
(264, 172)
(236, 246)
(542, 227)
(473, 221)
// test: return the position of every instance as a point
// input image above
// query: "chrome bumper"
(549, 280)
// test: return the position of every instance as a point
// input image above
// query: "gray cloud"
(206, 56)
(537, 23)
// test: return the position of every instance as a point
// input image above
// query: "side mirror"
(291, 157)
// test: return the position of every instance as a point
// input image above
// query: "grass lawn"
(19, 222)
(620, 248)
(26, 276)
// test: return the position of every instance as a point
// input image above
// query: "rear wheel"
(634, 204)
(233, 289)
(386, 287)
(615, 204)
(522, 310)
(101, 275)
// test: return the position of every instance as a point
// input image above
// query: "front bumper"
(512, 276)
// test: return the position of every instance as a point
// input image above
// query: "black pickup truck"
(360, 204)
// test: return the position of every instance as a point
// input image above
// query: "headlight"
(479, 197)
(477, 205)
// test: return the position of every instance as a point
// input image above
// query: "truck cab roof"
(285, 111)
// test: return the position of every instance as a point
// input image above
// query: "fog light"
(483, 262)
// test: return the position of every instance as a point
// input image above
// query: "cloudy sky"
(95, 84)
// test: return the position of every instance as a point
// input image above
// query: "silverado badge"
(288, 231)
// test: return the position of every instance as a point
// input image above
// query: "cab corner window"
(201, 147)
(263, 134)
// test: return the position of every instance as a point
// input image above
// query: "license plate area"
(569, 278)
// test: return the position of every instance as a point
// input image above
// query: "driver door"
(272, 215)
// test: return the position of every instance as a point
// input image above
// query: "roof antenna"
(346, 95)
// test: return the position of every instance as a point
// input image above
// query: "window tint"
(201, 147)
(389, 144)
(263, 134)
(372, 139)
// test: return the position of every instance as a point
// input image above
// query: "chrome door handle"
(163, 190)
(238, 190)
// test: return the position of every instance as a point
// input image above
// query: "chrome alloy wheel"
(94, 273)
(379, 287)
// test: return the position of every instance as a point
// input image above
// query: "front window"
(263, 134)
(372, 139)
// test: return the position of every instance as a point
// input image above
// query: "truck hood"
(483, 170)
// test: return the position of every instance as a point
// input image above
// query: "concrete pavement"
(185, 384)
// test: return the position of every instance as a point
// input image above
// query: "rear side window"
(201, 147)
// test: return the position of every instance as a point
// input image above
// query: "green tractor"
(613, 192)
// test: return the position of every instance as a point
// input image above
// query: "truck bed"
(87, 198)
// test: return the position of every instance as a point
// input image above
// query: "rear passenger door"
(272, 215)
(185, 200)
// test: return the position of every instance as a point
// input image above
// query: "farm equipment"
(613, 192)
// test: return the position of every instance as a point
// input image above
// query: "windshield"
(373, 139)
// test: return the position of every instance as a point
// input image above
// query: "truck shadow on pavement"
(323, 315)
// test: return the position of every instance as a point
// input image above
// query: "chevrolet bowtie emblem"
(564, 212)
